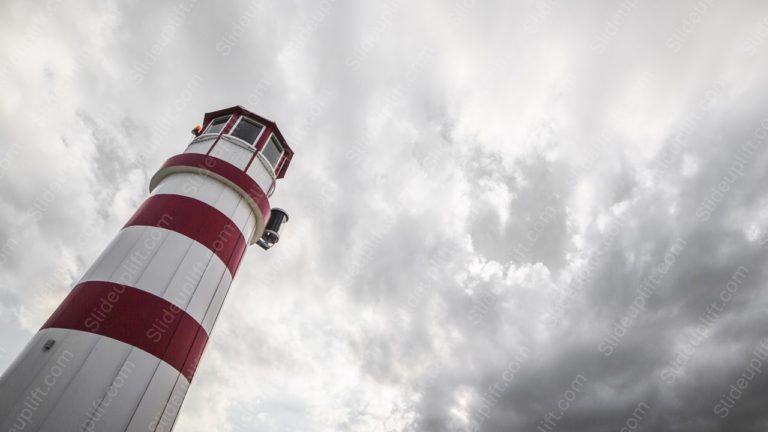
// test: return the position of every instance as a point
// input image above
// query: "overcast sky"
(505, 216)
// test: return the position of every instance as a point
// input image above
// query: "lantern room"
(246, 140)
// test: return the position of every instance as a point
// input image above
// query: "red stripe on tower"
(209, 165)
(135, 317)
(196, 220)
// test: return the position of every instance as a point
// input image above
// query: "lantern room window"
(247, 130)
(217, 125)
(273, 151)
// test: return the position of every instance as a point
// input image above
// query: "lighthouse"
(121, 350)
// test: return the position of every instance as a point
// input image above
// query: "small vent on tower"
(48, 345)
(277, 217)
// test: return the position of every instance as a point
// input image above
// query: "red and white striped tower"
(120, 351)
